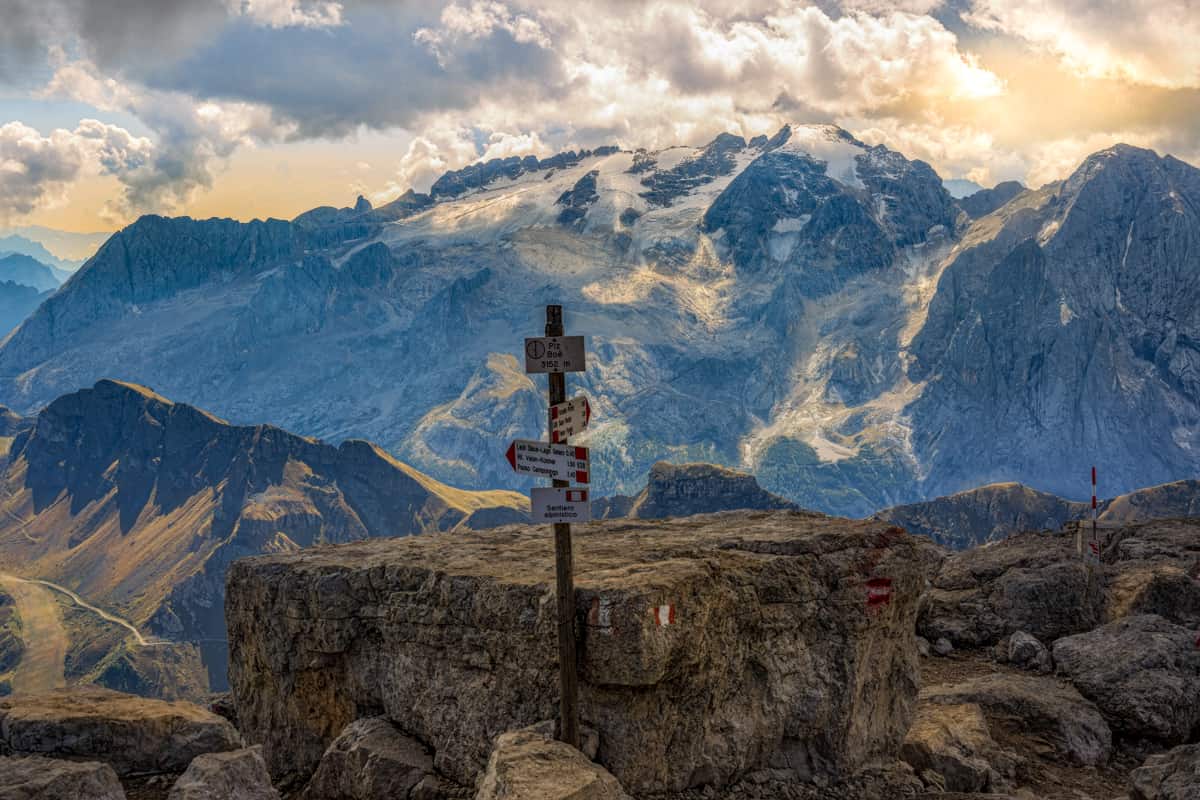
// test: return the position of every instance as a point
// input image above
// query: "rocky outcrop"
(1027, 652)
(371, 758)
(681, 490)
(985, 201)
(987, 514)
(953, 741)
(709, 647)
(1026, 705)
(37, 778)
(1174, 775)
(532, 767)
(140, 504)
(131, 734)
(1142, 672)
(240, 774)
(1033, 582)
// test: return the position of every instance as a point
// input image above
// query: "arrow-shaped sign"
(558, 461)
(569, 419)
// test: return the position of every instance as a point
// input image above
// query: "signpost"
(560, 505)
(556, 355)
(560, 461)
(569, 418)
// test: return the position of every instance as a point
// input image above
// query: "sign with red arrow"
(569, 419)
(558, 461)
(559, 504)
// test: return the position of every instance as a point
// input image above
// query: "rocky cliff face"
(139, 505)
(710, 646)
(806, 306)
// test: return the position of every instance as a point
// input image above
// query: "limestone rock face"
(532, 767)
(1033, 582)
(709, 646)
(38, 778)
(1174, 775)
(132, 734)
(953, 740)
(1052, 710)
(240, 774)
(371, 758)
(681, 490)
(1142, 672)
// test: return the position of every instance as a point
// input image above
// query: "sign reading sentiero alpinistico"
(554, 354)
(559, 505)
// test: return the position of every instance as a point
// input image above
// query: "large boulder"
(708, 646)
(1037, 706)
(527, 765)
(133, 734)
(1155, 566)
(1174, 775)
(953, 740)
(240, 774)
(1032, 582)
(1142, 672)
(38, 778)
(371, 758)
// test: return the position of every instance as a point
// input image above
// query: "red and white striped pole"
(1093, 493)
(1095, 543)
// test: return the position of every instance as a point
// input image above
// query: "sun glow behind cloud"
(231, 92)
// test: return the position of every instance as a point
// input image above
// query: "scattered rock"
(38, 778)
(132, 734)
(371, 758)
(1032, 582)
(1035, 706)
(240, 774)
(943, 647)
(923, 648)
(1142, 672)
(953, 741)
(1174, 775)
(790, 644)
(529, 766)
(1028, 653)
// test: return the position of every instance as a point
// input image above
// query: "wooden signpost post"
(557, 354)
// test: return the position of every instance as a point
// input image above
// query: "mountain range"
(138, 505)
(814, 309)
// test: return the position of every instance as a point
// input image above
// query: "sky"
(110, 109)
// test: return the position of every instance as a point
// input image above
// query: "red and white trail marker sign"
(879, 592)
(569, 419)
(664, 614)
(559, 504)
(562, 462)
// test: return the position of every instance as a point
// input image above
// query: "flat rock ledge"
(710, 646)
(134, 735)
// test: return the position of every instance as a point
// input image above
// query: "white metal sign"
(554, 354)
(560, 505)
(561, 462)
(569, 419)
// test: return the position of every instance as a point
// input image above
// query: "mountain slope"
(805, 306)
(17, 302)
(139, 505)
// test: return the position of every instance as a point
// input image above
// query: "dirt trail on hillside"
(42, 665)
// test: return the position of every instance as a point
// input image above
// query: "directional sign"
(569, 419)
(554, 354)
(560, 505)
(558, 461)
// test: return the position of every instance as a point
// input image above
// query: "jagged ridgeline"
(140, 505)
(817, 310)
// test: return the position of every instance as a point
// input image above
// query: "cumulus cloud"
(289, 13)
(36, 169)
(1145, 41)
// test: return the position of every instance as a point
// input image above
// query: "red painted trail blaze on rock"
(879, 592)
(664, 615)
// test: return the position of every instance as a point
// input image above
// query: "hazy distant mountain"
(62, 268)
(70, 247)
(960, 187)
(817, 310)
(986, 201)
(28, 271)
(17, 302)
(139, 505)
